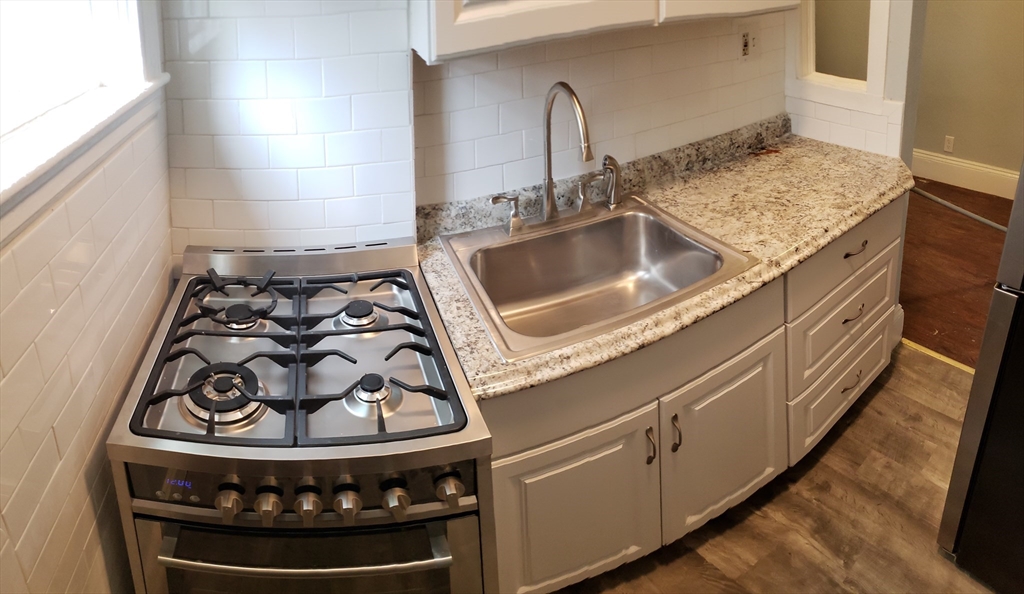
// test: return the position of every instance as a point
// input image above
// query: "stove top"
(299, 361)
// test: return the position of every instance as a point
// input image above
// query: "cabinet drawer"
(821, 273)
(820, 336)
(817, 410)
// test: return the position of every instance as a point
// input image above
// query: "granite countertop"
(776, 196)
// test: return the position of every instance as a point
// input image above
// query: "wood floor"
(949, 269)
(860, 513)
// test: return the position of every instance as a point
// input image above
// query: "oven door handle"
(441, 558)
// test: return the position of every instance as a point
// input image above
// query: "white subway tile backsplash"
(210, 117)
(238, 80)
(472, 65)
(498, 86)
(519, 174)
(829, 113)
(38, 421)
(396, 144)
(351, 148)
(240, 152)
(184, 9)
(292, 7)
(191, 213)
(478, 182)
(333, 114)
(538, 78)
(379, 31)
(9, 283)
(39, 245)
(208, 39)
(14, 459)
(350, 212)
(322, 36)
(398, 208)
(86, 199)
(448, 94)
(495, 150)
(270, 116)
(266, 39)
(589, 71)
(69, 267)
(329, 182)
(870, 122)
(381, 110)
(632, 63)
(171, 50)
(306, 150)
(383, 178)
(475, 123)
(846, 136)
(810, 127)
(217, 237)
(521, 56)
(350, 75)
(27, 314)
(118, 168)
(314, 237)
(393, 72)
(190, 151)
(431, 130)
(294, 79)
(386, 231)
(240, 214)
(236, 8)
(296, 214)
(451, 158)
(31, 488)
(252, 184)
(189, 80)
(18, 390)
(518, 115)
(271, 238)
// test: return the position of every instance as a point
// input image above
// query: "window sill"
(40, 150)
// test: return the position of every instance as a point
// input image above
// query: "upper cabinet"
(670, 10)
(445, 29)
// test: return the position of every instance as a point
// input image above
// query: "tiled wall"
(289, 122)
(79, 293)
(478, 120)
(848, 127)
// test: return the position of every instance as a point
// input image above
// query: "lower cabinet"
(723, 436)
(579, 506)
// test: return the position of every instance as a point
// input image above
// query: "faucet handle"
(588, 179)
(515, 222)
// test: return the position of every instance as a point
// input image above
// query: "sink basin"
(576, 277)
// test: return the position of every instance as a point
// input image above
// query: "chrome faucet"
(550, 208)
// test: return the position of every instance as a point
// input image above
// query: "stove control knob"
(347, 501)
(307, 500)
(229, 502)
(268, 506)
(449, 489)
(396, 500)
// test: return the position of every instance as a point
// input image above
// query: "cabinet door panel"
(670, 10)
(578, 507)
(731, 435)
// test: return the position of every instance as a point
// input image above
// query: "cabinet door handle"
(855, 384)
(654, 448)
(863, 247)
(860, 312)
(679, 434)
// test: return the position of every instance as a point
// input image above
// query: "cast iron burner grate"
(235, 386)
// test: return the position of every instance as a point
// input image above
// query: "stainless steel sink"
(577, 277)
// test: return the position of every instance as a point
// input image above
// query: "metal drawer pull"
(855, 384)
(679, 432)
(441, 558)
(863, 247)
(654, 448)
(860, 312)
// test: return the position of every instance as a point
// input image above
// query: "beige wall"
(841, 37)
(972, 81)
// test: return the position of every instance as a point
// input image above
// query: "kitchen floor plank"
(859, 513)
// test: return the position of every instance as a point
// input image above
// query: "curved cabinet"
(580, 506)
(723, 436)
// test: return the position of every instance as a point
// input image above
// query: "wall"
(972, 81)
(478, 119)
(841, 37)
(289, 122)
(80, 291)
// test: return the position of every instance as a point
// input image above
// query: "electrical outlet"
(948, 144)
(750, 41)
(745, 47)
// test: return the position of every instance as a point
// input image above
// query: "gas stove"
(300, 392)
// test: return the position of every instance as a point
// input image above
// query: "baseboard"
(965, 174)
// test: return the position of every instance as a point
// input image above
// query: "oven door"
(437, 556)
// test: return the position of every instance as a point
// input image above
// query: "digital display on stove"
(179, 483)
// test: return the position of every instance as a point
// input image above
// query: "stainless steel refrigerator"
(983, 521)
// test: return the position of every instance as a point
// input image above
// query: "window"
(65, 67)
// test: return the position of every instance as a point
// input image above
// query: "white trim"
(965, 174)
(24, 202)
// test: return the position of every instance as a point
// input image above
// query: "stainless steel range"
(298, 425)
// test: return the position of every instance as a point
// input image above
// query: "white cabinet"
(670, 10)
(579, 506)
(723, 436)
(442, 29)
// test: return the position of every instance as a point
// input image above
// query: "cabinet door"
(442, 29)
(579, 506)
(670, 10)
(728, 430)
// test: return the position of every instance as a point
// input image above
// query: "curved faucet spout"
(550, 208)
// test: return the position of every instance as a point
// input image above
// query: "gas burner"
(371, 391)
(359, 314)
(237, 316)
(223, 389)
(240, 317)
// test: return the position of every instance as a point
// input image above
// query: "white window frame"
(96, 116)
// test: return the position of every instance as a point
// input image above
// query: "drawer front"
(820, 336)
(820, 274)
(817, 410)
